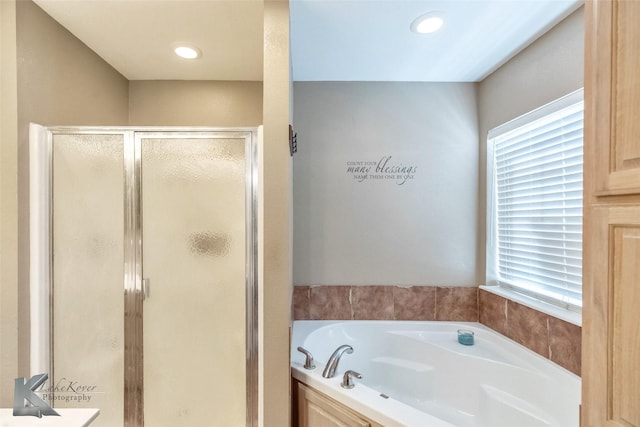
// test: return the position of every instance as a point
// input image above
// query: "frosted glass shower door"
(176, 207)
(87, 275)
(194, 262)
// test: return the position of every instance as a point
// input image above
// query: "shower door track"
(41, 254)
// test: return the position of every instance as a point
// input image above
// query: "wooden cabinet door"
(316, 410)
(612, 87)
(611, 239)
(611, 328)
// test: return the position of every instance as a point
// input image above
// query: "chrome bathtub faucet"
(332, 364)
(347, 379)
(308, 363)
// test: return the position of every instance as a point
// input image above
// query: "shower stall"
(143, 273)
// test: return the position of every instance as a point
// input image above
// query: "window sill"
(544, 307)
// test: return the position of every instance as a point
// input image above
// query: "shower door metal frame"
(41, 254)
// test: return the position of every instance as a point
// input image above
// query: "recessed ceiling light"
(427, 23)
(187, 52)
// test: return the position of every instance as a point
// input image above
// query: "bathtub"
(416, 374)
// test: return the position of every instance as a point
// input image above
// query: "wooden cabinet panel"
(626, 133)
(611, 237)
(625, 325)
(613, 43)
(314, 409)
(611, 380)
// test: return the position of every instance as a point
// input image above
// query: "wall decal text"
(384, 169)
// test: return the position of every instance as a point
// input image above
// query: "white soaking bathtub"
(416, 374)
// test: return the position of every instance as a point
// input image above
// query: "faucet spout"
(332, 364)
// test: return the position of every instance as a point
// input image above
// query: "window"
(534, 215)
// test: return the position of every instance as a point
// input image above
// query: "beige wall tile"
(329, 303)
(565, 341)
(372, 302)
(493, 311)
(301, 303)
(528, 327)
(414, 303)
(457, 304)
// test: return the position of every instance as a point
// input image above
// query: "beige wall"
(372, 231)
(60, 82)
(275, 221)
(195, 103)
(8, 204)
(48, 77)
(548, 69)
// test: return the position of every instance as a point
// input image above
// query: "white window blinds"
(535, 201)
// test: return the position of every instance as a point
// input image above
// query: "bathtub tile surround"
(414, 303)
(493, 311)
(330, 303)
(385, 303)
(457, 304)
(301, 303)
(548, 336)
(565, 344)
(528, 327)
(369, 302)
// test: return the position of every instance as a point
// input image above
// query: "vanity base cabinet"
(314, 409)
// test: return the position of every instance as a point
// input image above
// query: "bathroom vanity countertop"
(68, 418)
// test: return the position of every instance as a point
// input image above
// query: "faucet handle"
(308, 363)
(347, 379)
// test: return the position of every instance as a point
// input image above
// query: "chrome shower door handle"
(146, 288)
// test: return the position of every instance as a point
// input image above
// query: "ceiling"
(136, 36)
(340, 40)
